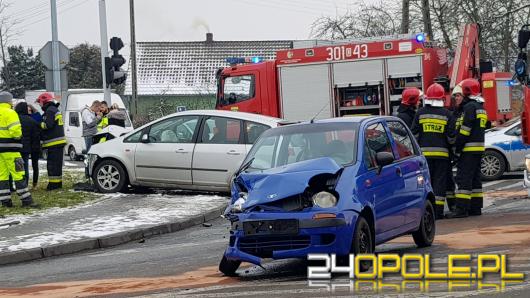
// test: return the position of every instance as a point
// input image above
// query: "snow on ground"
(111, 214)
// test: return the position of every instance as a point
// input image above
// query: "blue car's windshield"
(289, 144)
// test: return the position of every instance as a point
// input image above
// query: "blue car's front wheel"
(362, 241)
(228, 267)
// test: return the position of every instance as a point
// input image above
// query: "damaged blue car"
(341, 185)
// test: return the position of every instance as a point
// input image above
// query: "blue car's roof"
(353, 119)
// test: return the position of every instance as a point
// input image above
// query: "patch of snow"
(153, 209)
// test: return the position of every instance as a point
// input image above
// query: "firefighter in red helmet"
(409, 103)
(469, 148)
(53, 139)
(434, 127)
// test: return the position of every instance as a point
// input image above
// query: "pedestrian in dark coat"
(30, 141)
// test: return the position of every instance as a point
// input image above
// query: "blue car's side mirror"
(383, 159)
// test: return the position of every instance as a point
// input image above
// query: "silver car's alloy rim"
(490, 165)
(108, 177)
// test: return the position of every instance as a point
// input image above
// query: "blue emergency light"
(241, 60)
(512, 83)
(420, 37)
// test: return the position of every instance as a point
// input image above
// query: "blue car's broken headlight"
(324, 199)
(238, 204)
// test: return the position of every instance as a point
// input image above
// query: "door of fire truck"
(240, 88)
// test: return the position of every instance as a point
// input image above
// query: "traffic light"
(113, 72)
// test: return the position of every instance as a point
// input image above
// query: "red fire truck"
(357, 77)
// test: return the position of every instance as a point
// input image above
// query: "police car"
(505, 150)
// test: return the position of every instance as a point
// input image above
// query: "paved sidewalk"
(111, 220)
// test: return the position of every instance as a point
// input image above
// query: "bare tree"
(367, 20)
(405, 19)
(7, 31)
(426, 12)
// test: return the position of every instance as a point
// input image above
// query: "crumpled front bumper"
(90, 161)
(326, 235)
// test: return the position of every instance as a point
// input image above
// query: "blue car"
(341, 185)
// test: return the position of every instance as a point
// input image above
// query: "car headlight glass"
(324, 199)
(238, 204)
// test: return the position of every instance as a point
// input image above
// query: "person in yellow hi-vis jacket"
(53, 139)
(11, 162)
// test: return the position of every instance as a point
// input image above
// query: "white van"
(72, 102)
(72, 105)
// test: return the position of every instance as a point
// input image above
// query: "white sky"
(171, 20)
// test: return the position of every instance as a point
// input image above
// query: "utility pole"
(134, 78)
(55, 50)
(104, 48)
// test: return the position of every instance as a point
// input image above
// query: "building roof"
(188, 68)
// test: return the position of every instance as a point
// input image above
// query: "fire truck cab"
(355, 77)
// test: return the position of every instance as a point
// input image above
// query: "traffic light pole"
(104, 48)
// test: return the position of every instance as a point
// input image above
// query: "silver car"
(194, 150)
(505, 150)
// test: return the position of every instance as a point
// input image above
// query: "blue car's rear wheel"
(228, 267)
(362, 241)
(424, 236)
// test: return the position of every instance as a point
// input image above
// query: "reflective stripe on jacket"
(434, 127)
(470, 137)
(10, 129)
(52, 127)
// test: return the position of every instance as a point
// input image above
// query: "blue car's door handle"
(398, 172)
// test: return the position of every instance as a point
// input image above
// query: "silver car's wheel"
(492, 165)
(109, 176)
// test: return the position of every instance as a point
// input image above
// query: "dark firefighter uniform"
(470, 147)
(451, 184)
(456, 110)
(53, 140)
(434, 128)
(11, 162)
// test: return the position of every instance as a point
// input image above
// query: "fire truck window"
(238, 89)
(402, 139)
(376, 141)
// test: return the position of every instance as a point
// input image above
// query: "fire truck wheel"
(492, 165)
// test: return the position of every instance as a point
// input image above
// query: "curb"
(108, 240)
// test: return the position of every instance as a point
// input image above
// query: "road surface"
(184, 264)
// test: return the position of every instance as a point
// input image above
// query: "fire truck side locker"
(358, 87)
(402, 72)
(305, 90)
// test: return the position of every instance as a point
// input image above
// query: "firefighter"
(11, 162)
(435, 129)
(456, 100)
(409, 103)
(53, 139)
(469, 148)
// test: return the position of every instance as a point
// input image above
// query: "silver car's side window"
(174, 130)
(220, 130)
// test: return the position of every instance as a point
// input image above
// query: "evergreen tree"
(22, 72)
(84, 69)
